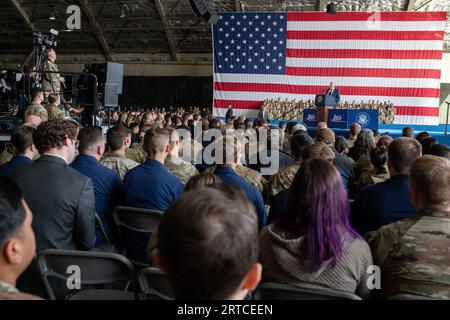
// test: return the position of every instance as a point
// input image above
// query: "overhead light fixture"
(331, 8)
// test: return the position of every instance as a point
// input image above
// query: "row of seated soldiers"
(292, 109)
(139, 115)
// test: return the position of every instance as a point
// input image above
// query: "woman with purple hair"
(312, 245)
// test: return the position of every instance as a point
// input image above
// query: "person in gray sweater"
(312, 245)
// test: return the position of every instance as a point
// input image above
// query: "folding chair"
(102, 276)
(154, 284)
(135, 228)
(279, 291)
(99, 226)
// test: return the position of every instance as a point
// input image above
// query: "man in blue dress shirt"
(107, 183)
(22, 140)
(228, 152)
(150, 185)
(387, 202)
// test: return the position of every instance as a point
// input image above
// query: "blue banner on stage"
(337, 118)
(310, 118)
(343, 118)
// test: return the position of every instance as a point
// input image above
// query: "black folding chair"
(153, 283)
(102, 276)
(279, 291)
(135, 228)
(99, 226)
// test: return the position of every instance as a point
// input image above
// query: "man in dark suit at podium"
(332, 91)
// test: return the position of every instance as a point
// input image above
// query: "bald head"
(355, 129)
(322, 125)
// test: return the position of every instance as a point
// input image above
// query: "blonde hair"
(430, 179)
(318, 150)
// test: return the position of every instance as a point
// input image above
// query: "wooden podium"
(324, 102)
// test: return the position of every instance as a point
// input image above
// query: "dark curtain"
(167, 91)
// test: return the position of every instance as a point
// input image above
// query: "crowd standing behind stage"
(293, 110)
(274, 225)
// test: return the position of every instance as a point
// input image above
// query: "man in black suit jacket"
(334, 92)
(61, 199)
(229, 113)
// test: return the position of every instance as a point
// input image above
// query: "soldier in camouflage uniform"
(53, 110)
(414, 254)
(129, 154)
(283, 178)
(52, 81)
(36, 108)
(176, 165)
(7, 154)
(119, 163)
(139, 149)
(182, 169)
(119, 139)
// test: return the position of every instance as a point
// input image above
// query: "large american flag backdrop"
(387, 56)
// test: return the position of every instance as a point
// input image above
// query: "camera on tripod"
(46, 40)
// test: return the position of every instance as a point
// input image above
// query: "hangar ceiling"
(154, 26)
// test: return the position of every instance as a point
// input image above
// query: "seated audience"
(268, 157)
(36, 108)
(251, 176)
(422, 135)
(440, 150)
(312, 245)
(408, 132)
(17, 242)
(25, 151)
(288, 133)
(33, 121)
(150, 185)
(341, 145)
(427, 143)
(344, 164)
(322, 125)
(318, 150)
(176, 165)
(119, 140)
(355, 129)
(53, 110)
(7, 154)
(194, 183)
(387, 202)
(414, 254)
(212, 234)
(363, 145)
(384, 142)
(202, 180)
(61, 199)
(228, 152)
(284, 177)
(376, 173)
(134, 128)
(107, 183)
